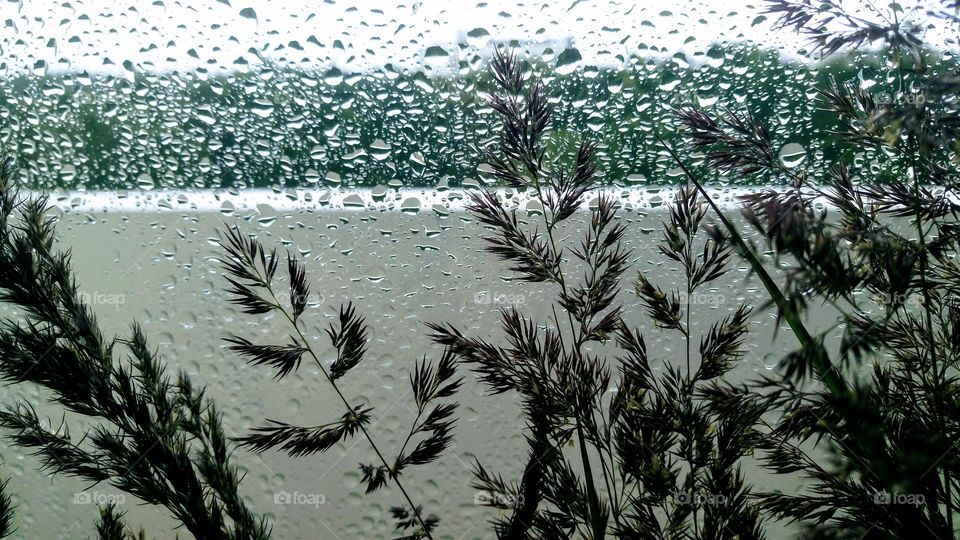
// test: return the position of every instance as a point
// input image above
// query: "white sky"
(100, 35)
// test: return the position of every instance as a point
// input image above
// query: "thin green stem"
(597, 523)
(689, 271)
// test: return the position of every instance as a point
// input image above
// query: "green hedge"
(293, 128)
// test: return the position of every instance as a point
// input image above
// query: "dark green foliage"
(437, 425)
(251, 271)
(110, 526)
(529, 252)
(350, 341)
(883, 254)
(682, 435)
(737, 143)
(299, 441)
(154, 436)
(813, 20)
(636, 440)
(408, 520)
(6, 512)
(284, 358)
